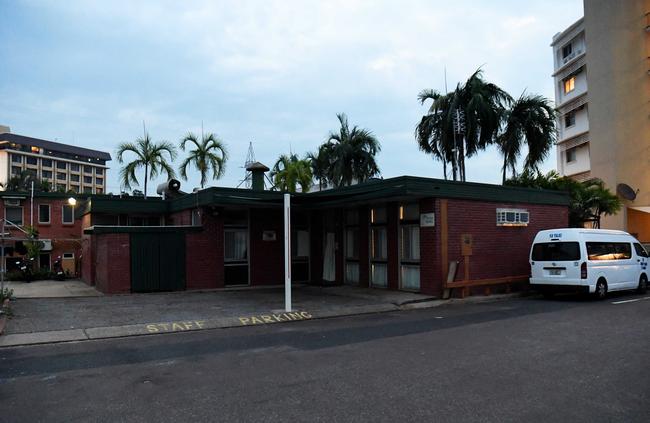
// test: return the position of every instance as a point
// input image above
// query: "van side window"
(609, 250)
(556, 251)
(640, 251)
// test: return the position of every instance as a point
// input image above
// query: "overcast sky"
(271, 72)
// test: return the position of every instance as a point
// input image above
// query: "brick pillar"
(392, 228)
(364, 246)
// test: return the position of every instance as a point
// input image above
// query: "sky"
(274, 73)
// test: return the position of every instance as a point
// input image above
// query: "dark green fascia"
(140, 229)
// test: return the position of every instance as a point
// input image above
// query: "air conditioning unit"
(12, 202)
(46, 244)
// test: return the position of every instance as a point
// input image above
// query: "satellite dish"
(626, 191)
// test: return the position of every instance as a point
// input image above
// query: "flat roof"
(54, 146)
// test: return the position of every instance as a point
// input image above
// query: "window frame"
(49, 214)
(570, 119)
(22, 214)
(63, 221)
(517, 221)
(569, 84)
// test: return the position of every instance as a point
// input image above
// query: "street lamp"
(72, 201)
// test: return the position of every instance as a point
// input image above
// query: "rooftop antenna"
(446, 91)
(250, 159)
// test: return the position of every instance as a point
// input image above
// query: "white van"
(589, 260)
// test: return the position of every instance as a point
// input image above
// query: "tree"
(23, 183)
(348, 155)
(290, 171)
(461, 123)
(529, 120)
(149, 155)
(589, 200)
(209, 155)
(319, 162)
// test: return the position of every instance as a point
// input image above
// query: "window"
(570, 119)
(31, 160)
(74, 188)
(88, 169)
(47, 174)
(99, 191)
(556, 251)
(99, 181)
(567, 50)
(571, 154)
(60, 176)
(410, 243)
(99, 171)
(61, 165)
(15, 158)
(196, 217)
(512, 217)
(609, 250)
(378, 215)
(74, 178)
(15, 170)
(88, 179)
(43, 213)
(47, 162)
(14, 215)
(409, 212)
(378, 244)
(68, 217)
(68, 256)
(569, 84)
(236, 244)
(640, 251)
(352, 243)
(74, 167)
(88, 190)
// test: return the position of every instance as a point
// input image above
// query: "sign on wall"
(427, 220)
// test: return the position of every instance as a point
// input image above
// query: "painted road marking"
(631, 301)
(175, 326)
(262, 319)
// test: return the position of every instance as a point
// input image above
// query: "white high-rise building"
(571, 99)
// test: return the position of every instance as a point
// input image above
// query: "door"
(157, 262)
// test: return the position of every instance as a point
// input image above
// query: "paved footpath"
(522, 360)
(47, 320)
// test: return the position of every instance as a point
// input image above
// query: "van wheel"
(643, 285)
(601, 289)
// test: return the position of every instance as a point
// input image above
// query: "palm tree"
(290, 171)
(209, 155)
(320, 164)
(461, 123)
(530, 120)
(22, 182)
(149, 155)
(350, 154)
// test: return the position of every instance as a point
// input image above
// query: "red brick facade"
(113, 268)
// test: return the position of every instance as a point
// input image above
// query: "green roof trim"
(140, 229)
(401, 188)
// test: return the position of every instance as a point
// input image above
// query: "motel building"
(404, 233)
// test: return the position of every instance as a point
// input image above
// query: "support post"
(287, 252)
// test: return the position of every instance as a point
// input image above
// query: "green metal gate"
(157, 262)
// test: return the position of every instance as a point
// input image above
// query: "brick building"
(407, 233)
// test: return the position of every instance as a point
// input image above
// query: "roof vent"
(257, 171)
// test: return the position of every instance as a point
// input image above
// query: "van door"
(629, 267)
(557, 261)
(641, 260)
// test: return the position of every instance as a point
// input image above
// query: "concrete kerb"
(159, 328)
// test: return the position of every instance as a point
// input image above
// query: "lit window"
(569, 84)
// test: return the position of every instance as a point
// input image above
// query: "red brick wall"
(113, 267)
(266, 257)
(204, 256)
(498, 251)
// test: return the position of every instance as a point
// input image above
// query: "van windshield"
(556, 251)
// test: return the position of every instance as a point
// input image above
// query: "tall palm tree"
(529, 120)
(209, 155)
(350, 154)
(478, 105)
(149, 155)
(320, 162)
(290, 171)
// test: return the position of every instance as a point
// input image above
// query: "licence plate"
(555, 272)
